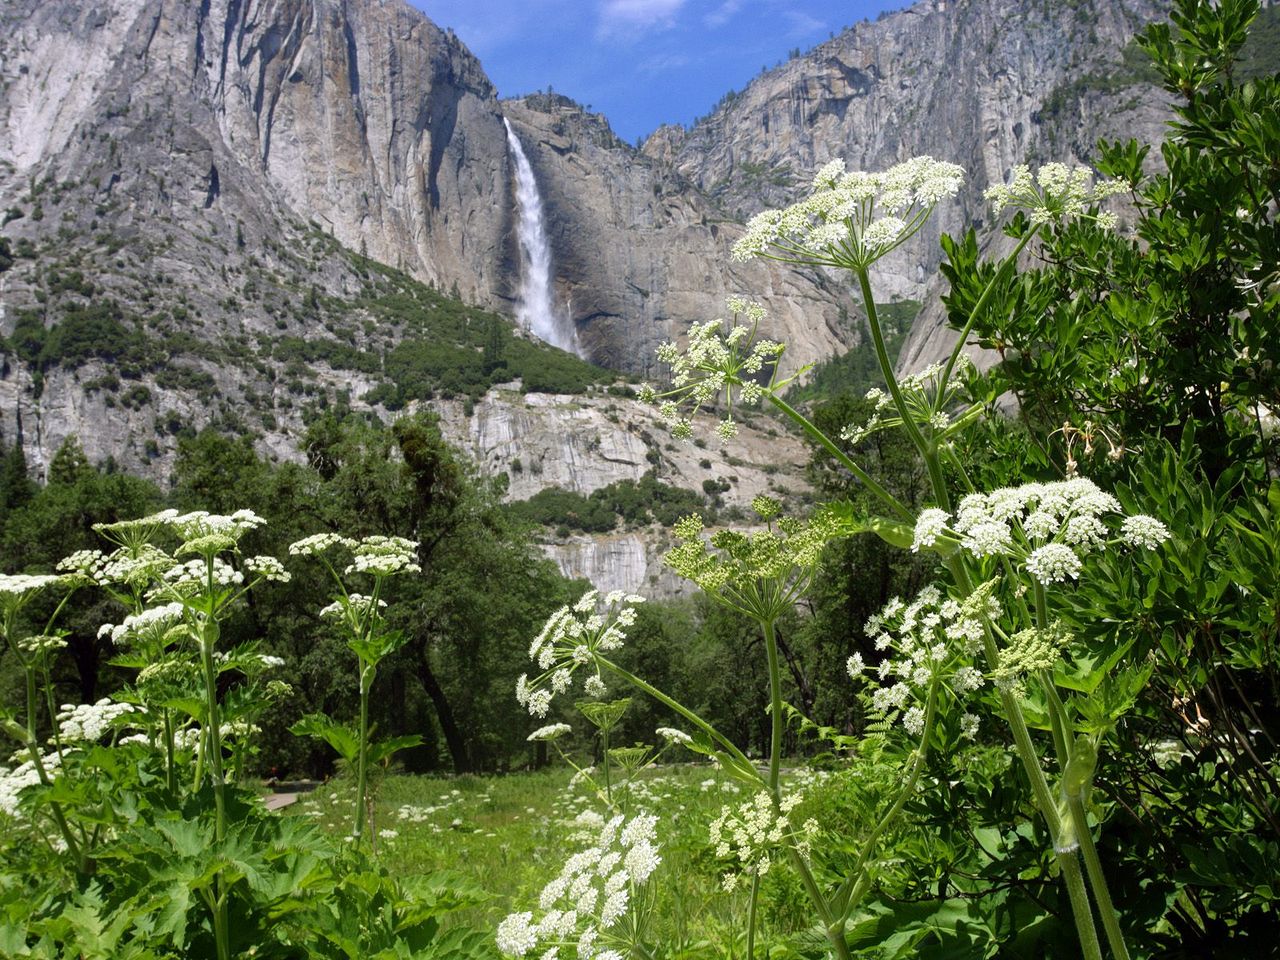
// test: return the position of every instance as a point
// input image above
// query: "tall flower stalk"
(850, 221)
(369, 636)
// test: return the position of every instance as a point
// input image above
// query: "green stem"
(170, 772)
(751, 917)
(362, 761)
(604, 759)
(775, 711)
(213, 745)
(859, 880)
(886, 370)
(1057, 711)
(1097, 880)
(1068, 864)
(834, 927)
(727, 744)
(977, 309)
(822, 440)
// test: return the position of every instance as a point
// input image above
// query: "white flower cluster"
(150, 627)
(20, 585)
(267, 568)
(1056, 191)
(90, 721)
(200, 523)
(919, 391)
(384, 556)
(130, 565)
(721, 358)
(193, 575)
(570, 639)
(674, 736)
(42, 643)
(935, 639)
(1050, 526)
(852, 218)
(590, 895)
(750, 832)
(25, 774)
(359, 605)
(553, 731)
(318, 543)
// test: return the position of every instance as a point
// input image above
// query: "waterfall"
(537, 310)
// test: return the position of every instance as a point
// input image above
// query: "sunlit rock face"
(190, 158)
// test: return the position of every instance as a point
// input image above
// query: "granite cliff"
(237, 213)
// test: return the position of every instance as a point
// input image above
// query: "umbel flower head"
(582, 908)
(571, 639)
(723, 361)
(934, 639)
(1049, 526)
(761, 573)
(852, 218)
(920, 392)
(1056, 192)
(752, 832)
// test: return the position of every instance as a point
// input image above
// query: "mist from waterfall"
(536, 310)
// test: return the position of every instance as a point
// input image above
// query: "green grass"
(511, 834)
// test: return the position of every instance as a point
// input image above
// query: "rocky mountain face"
(986, 84)
(198, 197)
(641, 253)
(368, 121)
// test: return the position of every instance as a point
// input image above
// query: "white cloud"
(632, 17)
(802, 25)
(663, 63)
(722, 14)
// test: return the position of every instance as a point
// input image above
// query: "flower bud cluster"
(591, 894)
(785, 553)
(751, 832)
(571, 638)
(42, 643)
(852, 218)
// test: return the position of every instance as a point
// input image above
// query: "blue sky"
(641, 62)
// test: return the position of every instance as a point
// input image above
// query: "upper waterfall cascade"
(537, 310)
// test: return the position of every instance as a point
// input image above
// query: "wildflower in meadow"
(723, 362)
(751, 833)
(582, 907)
(760, 573)
(934, 639)
(569, 641)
